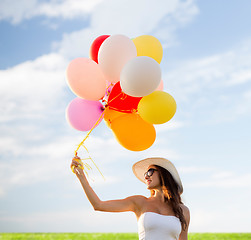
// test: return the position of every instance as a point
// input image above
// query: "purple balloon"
(82, 114)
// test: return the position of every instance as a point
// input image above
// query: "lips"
(148, 182)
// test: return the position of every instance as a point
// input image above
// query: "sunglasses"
(150, 172)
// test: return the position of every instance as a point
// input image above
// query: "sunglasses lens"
(149, 173)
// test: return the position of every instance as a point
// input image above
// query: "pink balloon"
(161, 86)
(86, 79)
(82, 114)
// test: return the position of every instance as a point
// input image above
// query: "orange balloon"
(110, 115)
(132, 132)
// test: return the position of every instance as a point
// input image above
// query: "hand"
(75, 166)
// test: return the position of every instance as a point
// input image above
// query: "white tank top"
(154, 226)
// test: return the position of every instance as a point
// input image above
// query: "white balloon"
(113, 54)
(140, 76)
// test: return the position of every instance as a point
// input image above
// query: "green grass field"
(115, 236)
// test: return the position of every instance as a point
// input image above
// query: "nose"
(146, 177)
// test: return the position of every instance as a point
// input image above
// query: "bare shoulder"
(186, 212)
(139, 199)
(184, 208)
(139, 202)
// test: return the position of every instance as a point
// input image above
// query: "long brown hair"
(171, 193)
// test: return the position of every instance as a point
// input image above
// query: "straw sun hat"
(140, 167)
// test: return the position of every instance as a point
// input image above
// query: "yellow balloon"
(110, 115)
(150, 46)
(157, 107)
(133, 133)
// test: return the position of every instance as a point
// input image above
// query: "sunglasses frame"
(149, 172)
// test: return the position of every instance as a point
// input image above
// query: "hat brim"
(140, 167)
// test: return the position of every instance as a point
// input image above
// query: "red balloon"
(95, 47)
(122, 102)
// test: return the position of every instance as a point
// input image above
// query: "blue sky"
(206, 67)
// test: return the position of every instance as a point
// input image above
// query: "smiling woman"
(160, 216)
(206, 67)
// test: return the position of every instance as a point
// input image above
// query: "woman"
(160, 216)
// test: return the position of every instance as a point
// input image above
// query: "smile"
(148, 182)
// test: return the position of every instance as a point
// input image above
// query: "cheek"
(155, 180)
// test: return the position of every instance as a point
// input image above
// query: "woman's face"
(152, 178)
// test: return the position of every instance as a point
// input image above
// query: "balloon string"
(114, 98)
(85, 166)
(93, 162)
(87, 135)
(123, 98)
(106, 91)
(123, 111)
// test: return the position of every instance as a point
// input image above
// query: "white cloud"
(228, 180)
(142, 17)
(172, 125)
(201, 219)
(193, 169)
(222, 175)
(212, 72)
(31, 100)
(17, 11)
(145, 16)
(149, 12)
(75, 219)
(243, 76)
(67, 8)
(2, 192)
(33, 164)
(208, 218)
(30, 88)
(76, 44)
(38, 163)
(215, 88)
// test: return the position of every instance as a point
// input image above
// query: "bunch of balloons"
(120, 83)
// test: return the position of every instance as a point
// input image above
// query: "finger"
(73, 166)
(75, 162)
(76, 171)
(76, 165)
(73, 169)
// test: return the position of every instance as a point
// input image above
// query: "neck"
(158, 194)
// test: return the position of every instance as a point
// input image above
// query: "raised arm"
(132, 203)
